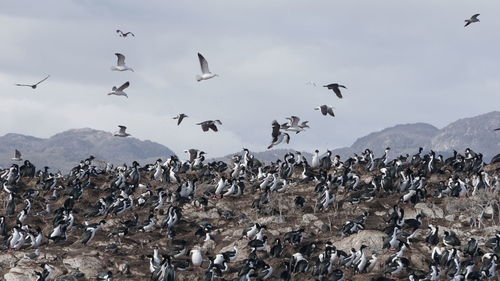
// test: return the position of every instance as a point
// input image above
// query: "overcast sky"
(402, 62)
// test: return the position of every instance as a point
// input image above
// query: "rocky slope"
(126, 256)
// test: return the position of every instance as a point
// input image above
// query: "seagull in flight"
(179, 118)
(277, 135)
(209, 124)
(124, 34)
(325, 110)
(120, 64)
(122, 132)
(294, 125)
(206, 74)
(335, 88)
(17, 156)
(119, 91)
(34, 85)
(472, 19)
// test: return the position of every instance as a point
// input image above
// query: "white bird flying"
(206, 74)
(472, 19)
(119, 91)
(122, 132)
(325, 110)
(120, 64)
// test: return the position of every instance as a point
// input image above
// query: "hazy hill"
(66, 149)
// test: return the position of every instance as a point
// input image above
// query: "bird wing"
(324, 109)
(43, 80)
(337, 92)
(276, 130)
(330, 111)
(213, 127)
(475, 16)
(295, 121)
(181, 116)
(24, 85)
(119, 31)
(123, 87)
(121, 59)
(204, 126)
(122, 129)
(203, 64)
(192, 154)
(467, 22)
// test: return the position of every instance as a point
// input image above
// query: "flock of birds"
(121, 193)
(124, 192)
(277, 136)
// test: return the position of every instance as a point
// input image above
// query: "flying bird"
(179, 118)
(294, 125)
(34, 85)
(335, 88)
(17, 156)
(120, 64)
(124, 34)
(119, 91)
(209, 124)
(472, 19)
(277, 135)
(206, 74)
(325, 110)
(122, 132)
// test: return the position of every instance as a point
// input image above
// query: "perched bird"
(335, 88)
(180, 117)
(124, 34)
(121, 132)
(325, 109)
(17, 156)
(206, 74)
(209, 124)
(472, 19)
(34, 85)
(120, 64)
(119, 91)
(277, 135)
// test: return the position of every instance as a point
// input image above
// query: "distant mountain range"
(64, 150)
(476, 133)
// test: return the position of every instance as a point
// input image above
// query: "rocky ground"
(126, 257)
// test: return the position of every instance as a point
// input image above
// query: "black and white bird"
(122, 132)
(34, 85)
(325, 110)
(124, 34)
(472, 19)
(335, 87)
(90, 231)
(278, 136)
(209, 124)
(17, 156)
(120, 64)
(206, 74)
(119, 91)
(179, 118)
